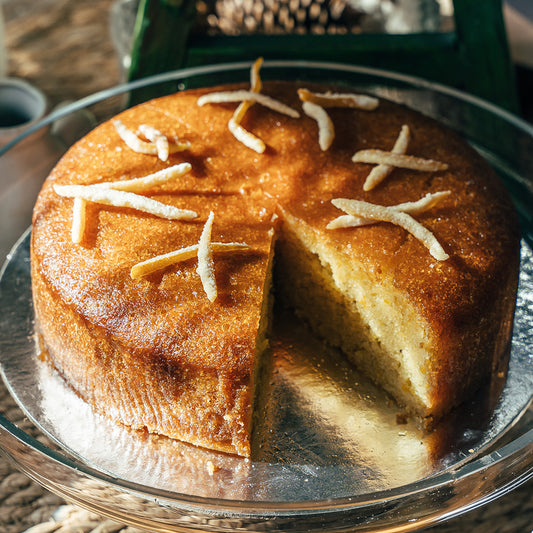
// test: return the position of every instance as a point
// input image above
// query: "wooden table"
(64, 48)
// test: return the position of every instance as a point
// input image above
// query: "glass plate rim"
(221, 67)
(238, 507)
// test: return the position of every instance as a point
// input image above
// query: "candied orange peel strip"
(158, 144)
(382, 157)
(246, 137)
(255, 86)
(412, 208)
(314, 105)
(203, 251)
(358, 101)
(381, 213)
(85, 193)
(79, 220)
(326, 130)
(159, 262)
(157, 138)
(148, 182)
(379, 173)
(206, 265)
(117, 198)
(241, 134)
(242, 96)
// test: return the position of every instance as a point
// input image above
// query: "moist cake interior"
(371, 323)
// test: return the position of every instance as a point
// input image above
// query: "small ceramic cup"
(21, 105)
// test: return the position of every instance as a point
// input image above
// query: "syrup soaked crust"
(155, 353)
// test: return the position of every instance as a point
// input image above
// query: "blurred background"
(70, 49)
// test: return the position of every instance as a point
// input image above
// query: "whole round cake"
(161, 238)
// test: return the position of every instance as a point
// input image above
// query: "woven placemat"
(27, 507)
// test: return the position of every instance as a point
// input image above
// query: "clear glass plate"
(313, 471)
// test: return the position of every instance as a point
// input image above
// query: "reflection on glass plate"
(326, 432)
(329, 452)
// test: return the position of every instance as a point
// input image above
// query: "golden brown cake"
(170, 353)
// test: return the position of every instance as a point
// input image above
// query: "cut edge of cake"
(372, 324)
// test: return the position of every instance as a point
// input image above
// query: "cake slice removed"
(419, 353)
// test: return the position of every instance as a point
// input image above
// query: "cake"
(161, 238)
